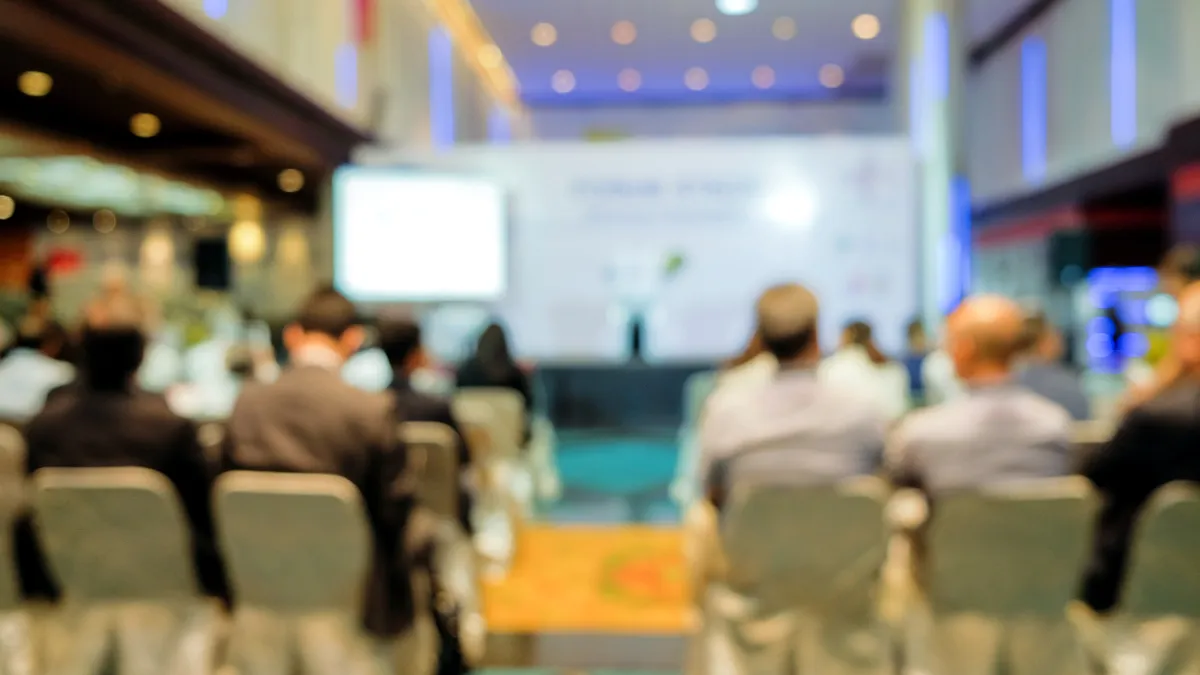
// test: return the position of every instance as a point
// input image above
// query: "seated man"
(1043, 372)
(790, 428)
(1154, 445)
(33, 368)
(999, 431)
(104, 420)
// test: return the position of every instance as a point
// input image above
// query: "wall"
(731, 119)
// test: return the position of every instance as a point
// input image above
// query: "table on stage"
(615, 396)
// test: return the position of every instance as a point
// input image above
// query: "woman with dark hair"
(859, 364)
(492, 365)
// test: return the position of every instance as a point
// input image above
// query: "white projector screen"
(406, 236)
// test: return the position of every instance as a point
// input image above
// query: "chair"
(508, 409)
(297, 550)
(794, 592)
(1003, 564)
(16, 640)
(116, 540)
(433, 456)
(503, 484)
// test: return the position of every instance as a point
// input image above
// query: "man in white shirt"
(33, 369)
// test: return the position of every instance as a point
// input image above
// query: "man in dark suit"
(309, 421)
(1155, 444)
(104, 420)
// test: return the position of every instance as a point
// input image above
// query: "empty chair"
(503, 483)
(433, 458)
(508, 409)
(1003, 564)
(795, 589)
(116, 540)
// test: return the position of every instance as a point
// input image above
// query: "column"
(928, 94)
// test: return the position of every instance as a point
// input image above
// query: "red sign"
(63, 261)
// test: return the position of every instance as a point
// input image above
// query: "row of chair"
(988, 586)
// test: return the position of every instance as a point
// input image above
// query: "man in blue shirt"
(33, 368)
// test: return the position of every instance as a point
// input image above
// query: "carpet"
(624, 579)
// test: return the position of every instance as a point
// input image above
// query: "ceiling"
(664, 50)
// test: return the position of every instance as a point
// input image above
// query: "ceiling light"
(629, 80)
(784, 28)
(624, 32)
(291, 180)
(704, 30)
(544, 35)
(35, 83)
(763, 77)
(563, 81)
(865, 26)
(737, 7)
(7, 207)
(216, 9)
(831, 76)
(58, 221)
(144, 125)
(490, 56)
(696, 79)
(104, 221)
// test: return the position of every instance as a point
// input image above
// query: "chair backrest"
(1017, 550)
(695, 392)
(508, 410)
(1162, 572)
(814, 547)
(114, 534)
(293, 542)
(12, 503)
(433, 457)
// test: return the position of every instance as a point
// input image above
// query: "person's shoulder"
(1172, 404)
(1045, 410)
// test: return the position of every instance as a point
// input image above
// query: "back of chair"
(114, 534)
(433, 452)
(293, 542)
(817, 547)
(695, 392)
(508, 408)
(1008, 552)
(1162, 572)
(12, 501)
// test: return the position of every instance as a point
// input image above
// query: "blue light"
(1033, 108)
(1133, 345)
(916, 108)
(1099, 346)
(216, 9)
(937, 56)
(499, 126)
(441, 88)
(1123, 71)
(736, 7)
(345, 75)
(1101, 325)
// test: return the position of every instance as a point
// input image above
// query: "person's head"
(113, 342)
(400, 340)
(753, 349)
(1040, 339)
(239, 361)
(859, 334)
(45, 336)
(787, 322)
(328, 320)
(492, 349)
(1186, 333)
(918, 342)
(983, 336)
(1180, 267)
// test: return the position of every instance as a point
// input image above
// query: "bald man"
(999, 431)
(789, 428)
(1154, 445)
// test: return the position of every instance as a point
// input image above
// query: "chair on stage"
(685, 488)
(16, 637)
(116, 540)
(433, 461)
(297, 549)
(1002, 567)
(790, 587)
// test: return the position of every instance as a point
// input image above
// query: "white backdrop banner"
(690, 232)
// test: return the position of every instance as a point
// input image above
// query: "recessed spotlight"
(784, 28)
(104, 221)
(8, 206)
(763, 77)
(865, 26)
(704, 30)
(145, 125)
(696, 79)
(831, 76)
(624, 32)
(544, 34)
(563, 81)
(490, 56)
(736, 7)
(629, 80)
(58, 221)
(291, 180)
(35, 83)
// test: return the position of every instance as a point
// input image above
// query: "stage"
(615, 397)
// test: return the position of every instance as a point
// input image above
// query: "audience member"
(999, 431)
(492, 365)
(104, 420)
(1154, 445)
(791, 428)
(1043, 372)
(368, 369)
(33, 368)
(941, 384)
(858, 365)
(753, 366)
(914, 357)
(1179, 268)
(310, 421)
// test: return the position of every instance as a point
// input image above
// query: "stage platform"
(615, 397)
